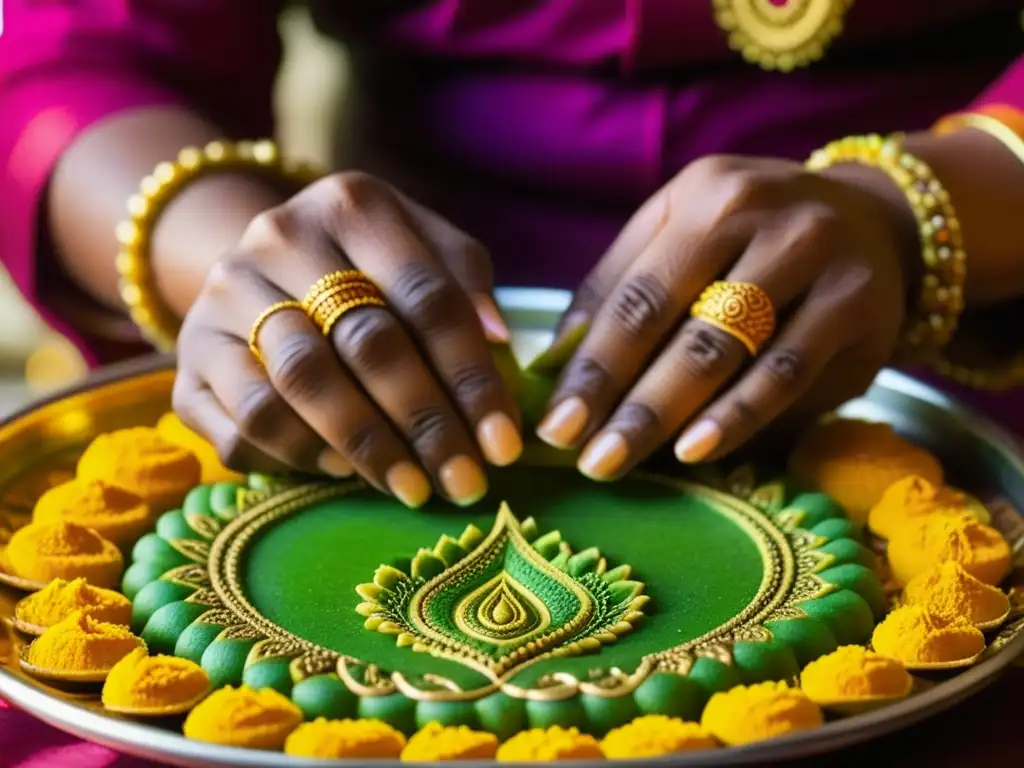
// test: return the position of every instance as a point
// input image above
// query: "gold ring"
(334, 280)
(341, 308)
(265, 315)
(743, 310)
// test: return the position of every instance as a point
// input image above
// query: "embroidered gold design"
(781, 34)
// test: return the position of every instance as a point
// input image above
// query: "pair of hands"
(408, 396)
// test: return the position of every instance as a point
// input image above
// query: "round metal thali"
(39, 445)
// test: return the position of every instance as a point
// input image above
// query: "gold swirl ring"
(337, 293)
(743, 310)
(261, 320)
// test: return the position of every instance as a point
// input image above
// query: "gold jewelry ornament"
(336, 294)
(941, 302)
(781, 34)
(743, 310)
(155, 320)
(261, 320)
(994, 127)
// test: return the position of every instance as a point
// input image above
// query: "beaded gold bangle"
(151, 315)
(940, 304)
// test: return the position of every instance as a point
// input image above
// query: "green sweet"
(566, 713)
(808, 638)
(714, 676)
(861, 580)
(446, 713)
(269, 673)
(224, 661)
(846, 613)
(607, 712)
(839, 528)
(197, 501)
(154, 596)
(324, 696)
(138, 575)
(848, 551)
(757, 661)
(173, 525)
(193, 642)
(815, 508)
(394, 709)
(153, 549)
(665, 693)
(502, 715)
(223, 500)
(166, 625)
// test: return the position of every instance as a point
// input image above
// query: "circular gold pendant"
(781, 34)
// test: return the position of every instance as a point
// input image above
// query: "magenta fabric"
(537, 126)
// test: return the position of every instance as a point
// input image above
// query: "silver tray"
(978, 455)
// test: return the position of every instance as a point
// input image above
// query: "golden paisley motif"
(781, 34)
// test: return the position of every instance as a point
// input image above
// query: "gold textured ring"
(333, 280)
(743, 310)
(265, 315)
(342, 308)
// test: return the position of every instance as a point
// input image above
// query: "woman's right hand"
(405, 395)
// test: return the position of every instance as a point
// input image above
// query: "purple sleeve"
(64, 66)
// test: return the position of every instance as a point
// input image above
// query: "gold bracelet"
(937, 314)
(137, 286)
(987, 124)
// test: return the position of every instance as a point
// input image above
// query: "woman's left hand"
(830, 250)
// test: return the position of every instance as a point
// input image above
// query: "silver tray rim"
(161, 745)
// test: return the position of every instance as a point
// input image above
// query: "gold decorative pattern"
(743, 310)
(781, 34)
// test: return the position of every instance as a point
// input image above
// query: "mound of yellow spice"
(980, 549)
(114, 513)
(911, 499)
(142, 461)
(949, 592)
(436, 743)
(60, 598)
(654, 735)
(242, 717)
(852, 673)
(545, 744)
(913, 636)
(173, 429)
(59, 550)
(763, 711)
(144, 684)
(81, 644)
(352, 739)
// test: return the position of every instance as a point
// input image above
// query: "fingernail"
(409, 484)
(698, 441)
(463, 480)
(564, 423)
(490, 318)
(499, 439)
(604, 456)
(334, 464)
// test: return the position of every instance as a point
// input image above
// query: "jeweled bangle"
(986, 124)
(155, 320)
(934, 320)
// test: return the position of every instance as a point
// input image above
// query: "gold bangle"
(261, 320)
(987, 124)
(137, 287)
(940, 304)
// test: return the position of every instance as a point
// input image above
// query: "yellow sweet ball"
(114, 513)
(912, 499)
(914, 637)
(654, 735)
(980, 549)
(545, 744)
(853, 673)
(437, 743)
(351, 739)
(950, 592)
(144, 684)
(242, 717)
(745, 714)
(45, 551)
(173, 429)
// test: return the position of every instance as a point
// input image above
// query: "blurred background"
(34, 360)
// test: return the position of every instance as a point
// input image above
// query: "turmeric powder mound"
(114, 513)
(546, 744)
(368, 739)
(854, 462)
(950, 592)
(59, 550)
(437, 743)
(242, 717)
(144, 684)
(912, 635)
(852, 673)
(981, 550)
(654, 735)
(763, 711)
(61, 598)
(82, 644)
(912, 498)
(145, 463)
(173, 429)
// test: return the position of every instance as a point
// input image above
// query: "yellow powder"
(145, 463)
(368, 739)
(173, 429)
(59, 550)
(654, 735)
(81, 644)
(140, 681)
(114, 513)
(911, 635)
(242, 717)
(911, 499)
(545, 744)
(981, 550)
(437, 743)
(851, 673)
(950, 592)
(60, 598)
(763, 711)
